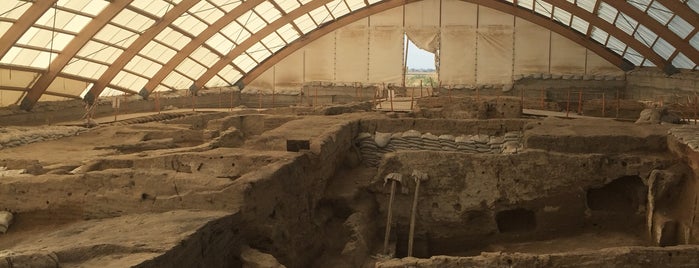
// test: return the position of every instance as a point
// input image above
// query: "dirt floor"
(304, 187)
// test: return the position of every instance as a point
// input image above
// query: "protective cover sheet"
(386, 54)
(320, 59)
(352, 53)
(567, 57)
(458, 55)
(531, 48)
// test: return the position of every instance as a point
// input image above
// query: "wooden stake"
(259, 99)
(157, 101)
(568, 104)
(315, 98)
(361, 88)
(449, 93)
(604, 106)
(580, 102)
(231, 109)
(220, 100)
(373, 101)
(420, 88)
(390, 95)
(618, 103)
(521, 98)
(543, 107)
(412, 98)
(194, 102)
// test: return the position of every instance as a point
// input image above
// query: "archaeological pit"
(349, 133)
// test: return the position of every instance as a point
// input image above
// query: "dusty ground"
(220, 189)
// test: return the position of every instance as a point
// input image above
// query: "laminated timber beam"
(684, 11)
(77, 43)
(25, 21)
(680, 45)
(136, 47)
(630, 41)
(501, 6)
(256, 37)
(195, 43)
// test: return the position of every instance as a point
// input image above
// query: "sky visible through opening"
(418, 58)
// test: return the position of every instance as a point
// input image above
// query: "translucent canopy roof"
(87, 48)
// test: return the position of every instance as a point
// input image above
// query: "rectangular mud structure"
(478, 185)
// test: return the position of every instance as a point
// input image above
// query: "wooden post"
(373, 101)
(521, 98)
(361, 88)
(274, 91)
(580, 102)
(123, 101)
(220, 100)
(390, 95)
(259, 99)
(568, 104)
(315, 97)
(184, 100)
(412, 98)
(116, 107)
(543, 107)
(194, 102)
(420, 88)
(661, 101)
(604, 105)
(449, 93)
(618, 103)
(478, 94)
(157, 101)
(231, 109)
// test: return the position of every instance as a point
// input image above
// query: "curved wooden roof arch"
(193, 44)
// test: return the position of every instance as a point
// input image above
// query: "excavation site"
(349, 133)
(457, 181)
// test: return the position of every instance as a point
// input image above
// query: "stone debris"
(253, 258)
(687, 134)
(18, 136)
(4, 172)
(372, 147)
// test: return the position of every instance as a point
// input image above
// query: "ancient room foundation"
(310, 190)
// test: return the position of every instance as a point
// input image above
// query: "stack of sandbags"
(414, 138)
(481, 142)
(688, 135)
(466, 143)
(430, 142)
(382, 140)
(399, 143)
(368, 149)
(495, 144)
(448, 142)
(512, 142)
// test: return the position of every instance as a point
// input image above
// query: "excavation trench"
(490, 188)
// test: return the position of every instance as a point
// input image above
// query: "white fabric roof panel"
(56, 29)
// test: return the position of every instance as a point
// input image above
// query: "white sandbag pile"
(5, 221)
(372, 147)
(687, 134)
